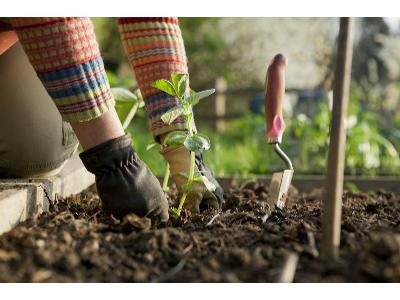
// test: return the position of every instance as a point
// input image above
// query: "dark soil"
(76, 242)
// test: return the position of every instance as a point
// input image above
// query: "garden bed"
(76, 242)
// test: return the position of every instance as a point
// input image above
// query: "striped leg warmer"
(155, 50)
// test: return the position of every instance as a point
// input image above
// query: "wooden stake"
(220, 103)
(336, 155)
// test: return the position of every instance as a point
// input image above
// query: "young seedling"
(178, 87)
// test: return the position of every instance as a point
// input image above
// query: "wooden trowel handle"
(273, 98)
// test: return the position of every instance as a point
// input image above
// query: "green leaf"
(165, 86)
(152, 145)
(187, 106)
(183, 84)
(130, 115)
(175, 78)
(198, 177)
(123, 109)
(139, 97)
(175, 138)
(209, 185)
(175, 212)
(204, 140)
(195, 98)
(172, 114)
(179, 82)
(184, 174)
(124, 95)
(191, 144)
(388, 145)
(197, 142)
(201, 178)
(174, 209)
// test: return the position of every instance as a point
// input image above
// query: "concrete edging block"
(20, 201)
(22, 198)
(72, 179)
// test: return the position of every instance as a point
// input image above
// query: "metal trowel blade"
(278, 188)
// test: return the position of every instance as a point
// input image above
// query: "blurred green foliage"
(242, 148)
(373, 122)
(109, 40)
(206, 50)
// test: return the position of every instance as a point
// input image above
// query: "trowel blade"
(278, 188)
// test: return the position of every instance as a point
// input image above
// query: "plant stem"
(182, 202)
(190, 180)
(166, 177)
(130, 115)
(192, 165)
(191, 169)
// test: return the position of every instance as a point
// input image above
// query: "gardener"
(37, 138)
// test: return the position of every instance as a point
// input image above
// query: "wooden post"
(336, 155)
(220, 103)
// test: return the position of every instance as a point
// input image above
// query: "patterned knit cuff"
(155, 50)
(65, 55)
(82, 92)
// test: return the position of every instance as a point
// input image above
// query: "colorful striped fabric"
(155, 50)
(65, 55)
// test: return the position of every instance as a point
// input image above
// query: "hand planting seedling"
(178, 87)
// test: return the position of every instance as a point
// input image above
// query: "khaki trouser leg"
(34, 141)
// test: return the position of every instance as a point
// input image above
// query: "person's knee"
(33, 138)
(36, 153)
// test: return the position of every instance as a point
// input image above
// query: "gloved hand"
(124, 183)
(178, 158)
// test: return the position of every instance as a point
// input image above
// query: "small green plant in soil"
(178, 87)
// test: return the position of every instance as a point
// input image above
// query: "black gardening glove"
(124, 183)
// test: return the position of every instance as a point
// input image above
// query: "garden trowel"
(273, 98)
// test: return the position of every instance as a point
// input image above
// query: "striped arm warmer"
(65, 55)
(155, 50)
